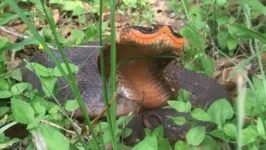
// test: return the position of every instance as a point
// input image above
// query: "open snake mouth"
(141, 79)
(160, 38)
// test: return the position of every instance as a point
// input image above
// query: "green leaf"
(52, 137)
(3, 120)
(102, 126)
(221, 2)
(78, 36)
(220, 134)
(39, 109)
(3, 42)
(183, 95)
(222, 37)
(75, 6)
(5, 94)
(196, 13)
(178, 120)
(231, 43)
(195, 40)
(4, 85)
(123, 147)
(73, 68)
(123, 120)
(208, 66)
(249, 136)
(47, 34)
(180, 145)
(163, 143)
(3, 110)
(20, 88)
(261, 129)
(126, 132)
(2, 65)
(210, 144)
(43, 102)
(178, 105)
(15, 74)
(200, 114)
(220, 111)
(158, 131)
(48, 85)
(222, 20)
(39, 69)
(253, 106)
(4, 89)
(82, 19)
(148, 143)
(148, 131)
(256, 5)
(3, 138)
(22, 111)
(230, 130)
(71, 105)
(35, 123)
(188, 106)
(254, 147)
(8, 143)
(196, 135)
(57, 1)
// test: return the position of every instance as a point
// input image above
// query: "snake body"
(146, 83)
(88, 79)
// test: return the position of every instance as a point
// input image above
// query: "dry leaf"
(56, 15)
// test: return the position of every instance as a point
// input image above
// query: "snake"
(143, 84)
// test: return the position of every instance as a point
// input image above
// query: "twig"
(3, 29)
(57, 126)
(113, 98)
(13, 33)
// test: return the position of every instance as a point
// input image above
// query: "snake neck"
(141, 80)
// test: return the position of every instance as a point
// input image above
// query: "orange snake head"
(159, 38)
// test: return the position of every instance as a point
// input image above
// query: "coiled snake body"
(144, 82)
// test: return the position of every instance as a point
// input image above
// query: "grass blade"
(113, 69)
(251, 33)
(104, 80)
(20, 44)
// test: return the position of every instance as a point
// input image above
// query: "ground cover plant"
(224, 40)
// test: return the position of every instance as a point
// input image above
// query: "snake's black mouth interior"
(154, 29)
(146, 30)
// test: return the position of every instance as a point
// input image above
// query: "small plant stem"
(241, 90)
(113, 72)
(95, 120)
(248, 22)
(185, 8)
(103, 77)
